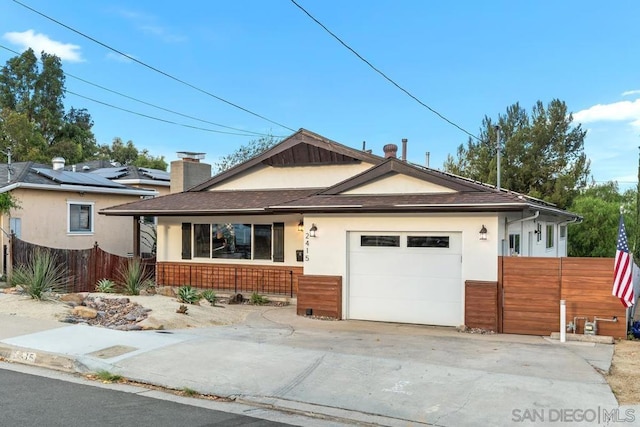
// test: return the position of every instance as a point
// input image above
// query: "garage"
(405, 277)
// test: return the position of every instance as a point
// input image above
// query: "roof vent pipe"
(390, 150)
(58, 163)
(426, 160)
(364, 145)
(404, 149)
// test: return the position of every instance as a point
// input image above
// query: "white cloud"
(631, 92)
(41, 42)
(623, 111)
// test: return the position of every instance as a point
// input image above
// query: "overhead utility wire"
(157, 106)
(381, 73)
(155, 118)
(144, 64)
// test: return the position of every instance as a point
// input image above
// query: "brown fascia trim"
(304, 137)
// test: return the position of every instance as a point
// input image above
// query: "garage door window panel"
(380, 241)
(427, 241)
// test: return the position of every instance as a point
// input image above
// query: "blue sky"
(464, 59)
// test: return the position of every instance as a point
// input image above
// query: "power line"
(155, 118)
(243, 131)
(381, 73)
(152, 68)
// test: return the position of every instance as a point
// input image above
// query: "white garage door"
(405, 277)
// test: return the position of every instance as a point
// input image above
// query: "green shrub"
(188, 294)
(106, 286)
(133, 277)
(210, 296)
(258, 299)
(40, 275)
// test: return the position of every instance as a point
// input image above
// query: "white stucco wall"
(261, 177)
(530, 245)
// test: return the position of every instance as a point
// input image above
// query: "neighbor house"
(58, 206)
(380, 237)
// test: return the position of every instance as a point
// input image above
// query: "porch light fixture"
(312, 230)
(483, 233)
(301, 226)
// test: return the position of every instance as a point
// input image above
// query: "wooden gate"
(530, 295)
(531, 290)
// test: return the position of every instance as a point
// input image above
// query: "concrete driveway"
(350, 371)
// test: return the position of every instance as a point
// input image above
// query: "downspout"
(521, 220)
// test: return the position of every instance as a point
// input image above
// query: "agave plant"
(188, 294)
(106, 286)
(133, 277)
(40, 275)
(210, 296)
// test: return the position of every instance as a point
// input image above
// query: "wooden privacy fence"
(230, 277)
(526, 298)
(83, 267)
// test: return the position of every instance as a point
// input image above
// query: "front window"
(80, 217)
(262, 241)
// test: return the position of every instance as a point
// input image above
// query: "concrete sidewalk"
(347, 371)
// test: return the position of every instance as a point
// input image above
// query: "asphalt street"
(31, 400)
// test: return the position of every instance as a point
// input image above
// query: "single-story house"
(398, 239)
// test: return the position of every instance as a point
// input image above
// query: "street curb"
(322, 412)
(27, 356)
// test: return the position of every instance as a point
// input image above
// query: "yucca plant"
(210, 296)
(106, 286)
(188, 294)
(133, 277)
(40, 275)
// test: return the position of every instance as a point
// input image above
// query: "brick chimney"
(188, 171)
(390, 150)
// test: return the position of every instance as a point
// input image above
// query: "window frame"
(515, 249)
(549, 242)
(80, 232)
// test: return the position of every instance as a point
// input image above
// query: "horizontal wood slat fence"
(230, 278)
(320, 296)
(526, 299)
(83, 267)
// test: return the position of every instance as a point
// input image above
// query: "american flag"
(622, 281)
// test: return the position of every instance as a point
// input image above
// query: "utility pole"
(498, 156)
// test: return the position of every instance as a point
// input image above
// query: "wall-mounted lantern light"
(483, 233)
(301, 226)
(313, 230)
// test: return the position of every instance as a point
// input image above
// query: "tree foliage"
(34, 125)
(245, 152)
(127, 154)
(542, 153)
(597, 235)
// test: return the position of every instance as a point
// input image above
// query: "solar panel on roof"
(155, 174)
(76, 178)
(111, 173)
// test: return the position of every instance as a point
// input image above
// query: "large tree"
(542, 153)
(31, 102)
(597, 234)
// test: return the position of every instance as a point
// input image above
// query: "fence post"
(291, 283)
